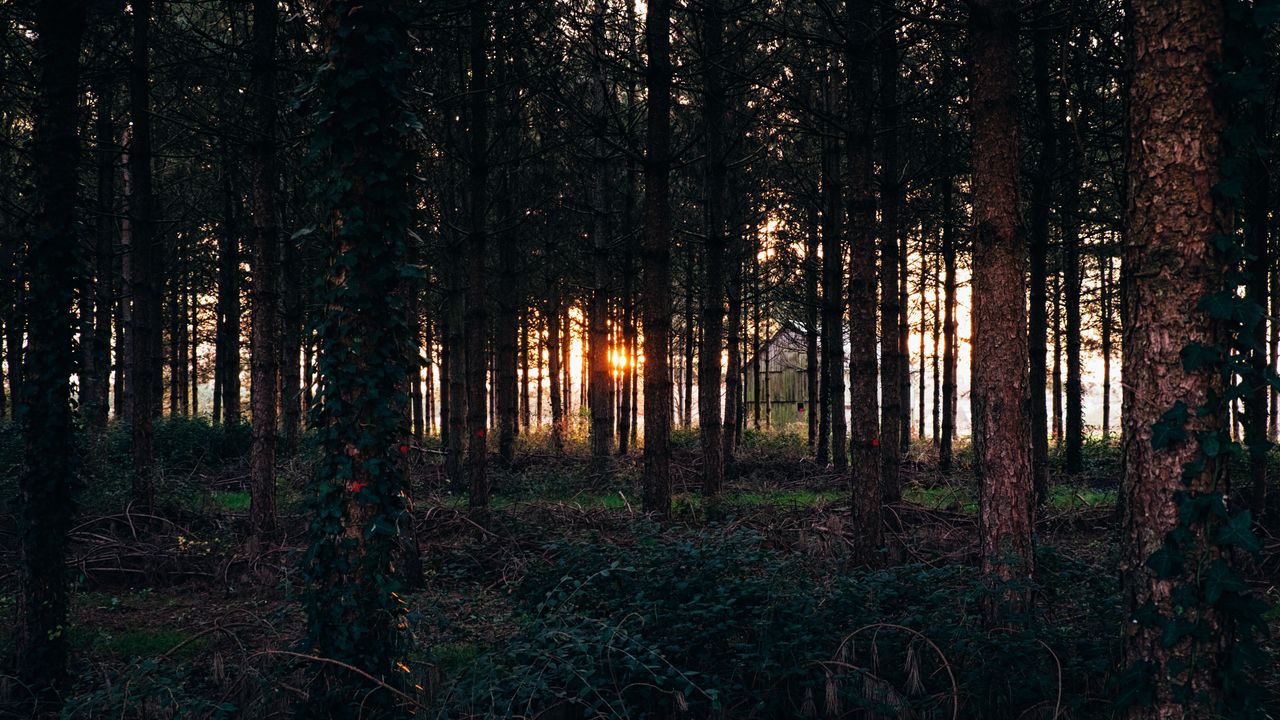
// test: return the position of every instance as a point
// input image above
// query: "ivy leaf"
(1171, 428)
(1238, 532)
(1165, 563)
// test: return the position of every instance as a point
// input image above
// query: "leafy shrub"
(711, 623)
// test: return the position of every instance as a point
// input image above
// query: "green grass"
(959, 499)
(145, 642)
(454, 658)
(231, 500)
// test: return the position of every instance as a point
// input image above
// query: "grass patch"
(231, 500)
(943, 497)
(1074, 497)
(145, 642)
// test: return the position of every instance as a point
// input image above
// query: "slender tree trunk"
(1175, 128)
(552, 315)
(656, 262)
(689, 326)
(1256, 211)
(949, 340)
(935, 356)
(1071, 282)
(714, 253)
(1057, 358)
(525, 411)
(1002, 453)
(833, 297)
(506, 337)
(44, 410)
(96, 397)
(227, 350)
(864, 430)
(1107, 324)
(477, 319)
(1041, 194)
(265, 295)
(144, 289)
(891, 360)
(811, 300)
(734, 380)
(291, 341)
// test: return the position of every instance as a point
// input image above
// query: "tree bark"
(833, 295)
(44, 410)
(891, 360)
(264, 346)
(714, 250)
(948, 330)
(864, 430)
(477, 317)
(656, 262)
(1002, 451)
(1041, 194)
(1175, 127)
(144, 288)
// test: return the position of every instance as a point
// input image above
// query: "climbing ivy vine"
(1213, 608)
(361, 163)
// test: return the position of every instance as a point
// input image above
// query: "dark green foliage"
(715, 623)
(360, 154)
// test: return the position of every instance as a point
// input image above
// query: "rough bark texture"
(656, 263)
(96, 399)
(864, 427)
(264, 343)
(44, 408)
(1002, 451)
(714, 250)
(1174, 147)
(734, 382)
(811, 300)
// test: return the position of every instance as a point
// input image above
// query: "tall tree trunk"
(734, 382)
(1107, 323)
(891, 360)
(227, 348)
(1174, 145)
(44, 410)
(949, 340)
(144, 288)
(1071, 285)
(291, 341)
(96, 397)
(1002, 453)
(833, 293)
(477, 317)
(864, 426)
(811, 300)
(1256, 210)
(1057, 358)
(361, 502)
(506, 337)
(552, 316)
(714, 111)
(1041, 194)
(264, 345)
(656, 262)
(686, 398)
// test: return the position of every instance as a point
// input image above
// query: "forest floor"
(571, 604)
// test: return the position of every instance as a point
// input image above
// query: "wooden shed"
(783, 395)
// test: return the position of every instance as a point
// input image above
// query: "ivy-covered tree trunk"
(265, 341)
(44, 412)
(655, 256)
(360, 145)
(864, 423)
(1175, 145)
(1002, 451)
